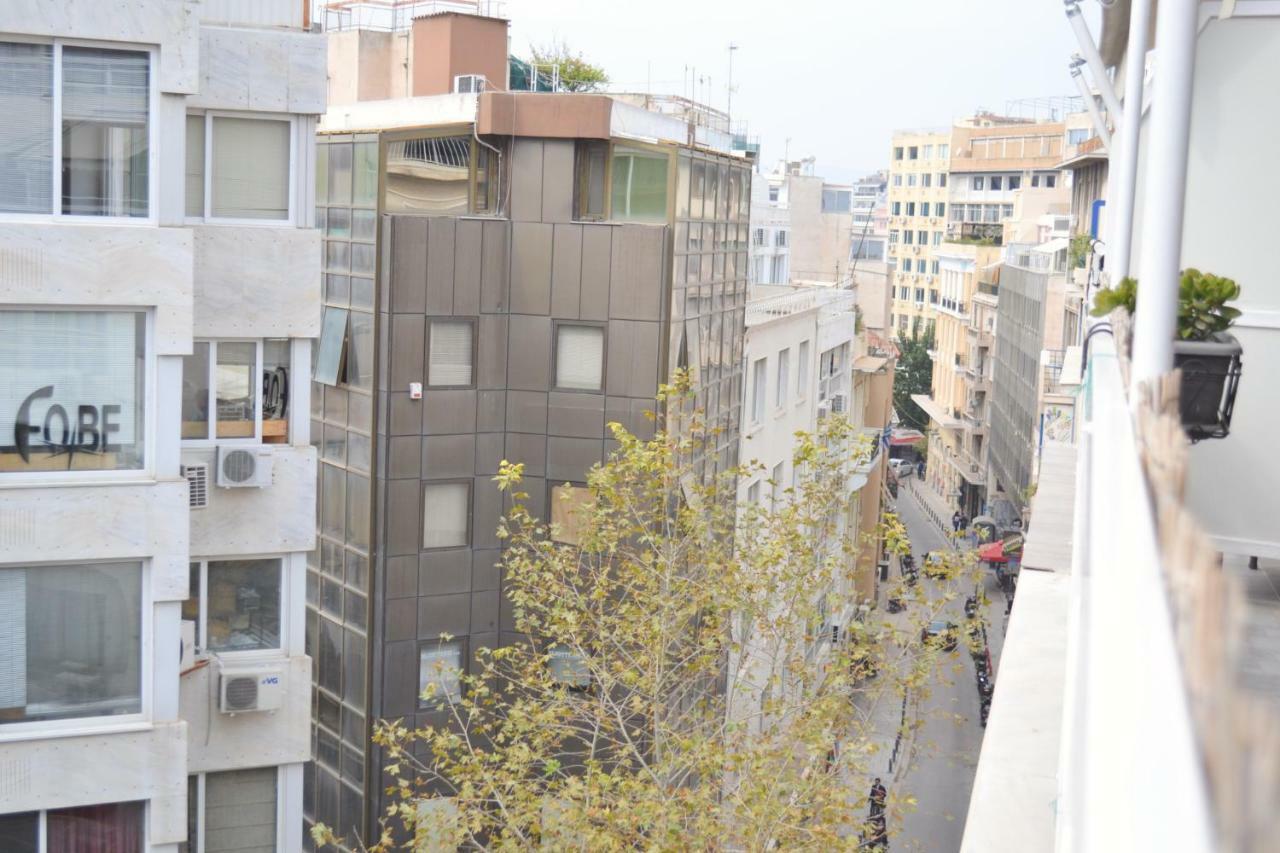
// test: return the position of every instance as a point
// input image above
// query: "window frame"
(197, 845)
(474, 322)
(153, 132)
(782, 380)
(150, 416)
(802, 371)
(437, 705)
(202, 618)
(468, 539)
(96, 725)
(207, 217)
(603, 326)
(211, 436)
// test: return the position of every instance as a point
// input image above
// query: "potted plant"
(1208, 355)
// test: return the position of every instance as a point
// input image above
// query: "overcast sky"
(835, 77)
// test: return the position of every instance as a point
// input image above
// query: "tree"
(913, 375)
(576, 74)
(680, 684)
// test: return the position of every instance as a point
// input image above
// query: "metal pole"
(1090, 52)
(1121, 229)
(1165, 191)
(1099, 123)
(729, 108)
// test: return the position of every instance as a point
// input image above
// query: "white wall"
(1230, 229)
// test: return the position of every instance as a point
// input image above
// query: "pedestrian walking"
(955, 521)
(920, 469)
(878, 795)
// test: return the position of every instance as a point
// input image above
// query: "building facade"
(919, 167)
(506, 274)
(157, 482)
(770, 230)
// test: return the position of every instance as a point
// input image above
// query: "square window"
(997, 182)
(243, 605)
(570, 504)
(639, 190)
(579, 357)
(72, 385)
(249, 168)
(240, 810)
(450, 353)
(446, 515)
(440, 670)
(70, 641)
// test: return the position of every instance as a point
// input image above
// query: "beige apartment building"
(919, 164)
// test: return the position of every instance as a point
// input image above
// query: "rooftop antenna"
(729, 109)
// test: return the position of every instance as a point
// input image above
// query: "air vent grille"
(241, 693)
(197, 476)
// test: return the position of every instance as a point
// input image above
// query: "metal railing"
(398, 15)
(786, 304)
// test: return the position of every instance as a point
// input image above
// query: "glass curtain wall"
(708, 307)
(341, 428)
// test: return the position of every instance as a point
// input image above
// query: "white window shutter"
(580, 357)
(450, 358)
(444, 515)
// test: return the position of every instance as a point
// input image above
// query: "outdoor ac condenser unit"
(242, 467)
(241, 690)
(838, 404)
(468, 84)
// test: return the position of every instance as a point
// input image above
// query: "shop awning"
(906, 437)
(936, 412)
(1000, 552)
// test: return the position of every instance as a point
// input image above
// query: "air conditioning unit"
(197, 476)
(187, 654)
(245, 689)
(824, 409)
(243, 467)
(468, 84)
(838, 403)
(835, 635)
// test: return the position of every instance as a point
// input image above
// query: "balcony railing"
(831, 300)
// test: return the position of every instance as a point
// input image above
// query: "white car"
(902, 467)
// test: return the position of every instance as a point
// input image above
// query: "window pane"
(359, 367)
(580, 357)
(105, 97)
(240, 811)
(114, 827)
(639, 190)
(195, 166)
(332, 344)
(365, 175)
(358, 511)
(449, 363)
(195, 392)
(275, 391)
(339, 173)
(236, 390)
(445, 507)
(430, 175)
(71, 386)
(19, 832)
(570, 506)
(193, 816)
(70, 641)
(364, 224)
(244, 605)
(191, 607)
(26, 134)
(439, 674)
(250, 168)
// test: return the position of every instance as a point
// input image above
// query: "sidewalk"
(933, 504)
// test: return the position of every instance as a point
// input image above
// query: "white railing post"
(1120, 230)
(1166, 185)
(1089, 51)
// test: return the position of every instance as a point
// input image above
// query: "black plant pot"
(1210, 375)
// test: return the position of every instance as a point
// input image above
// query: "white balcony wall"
(1231, 486)
(273, 519)
(253, 13)
(256, 282)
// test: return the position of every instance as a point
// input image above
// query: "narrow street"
(940, 767)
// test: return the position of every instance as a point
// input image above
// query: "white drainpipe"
(1090, 53)
(1099, 123)
(1120, 242)
(1166, 187)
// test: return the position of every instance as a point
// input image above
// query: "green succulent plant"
(1202, 303)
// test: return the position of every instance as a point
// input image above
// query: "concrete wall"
(449, 44)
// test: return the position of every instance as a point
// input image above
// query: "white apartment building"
(770, 230)
(158, 291)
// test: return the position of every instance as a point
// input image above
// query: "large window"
(451, 353)
(344, 354)
(243, 384)
(639, 185)
(70, 641)
(570, 508)
(106, 828)
(446, 515)
(238, 168)
(72, 388)
(592, 160)
(429, 175)
(236, 604)
(96, 116)
(234, 810)
(579, 357)
(759, 380)
(784, 373)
